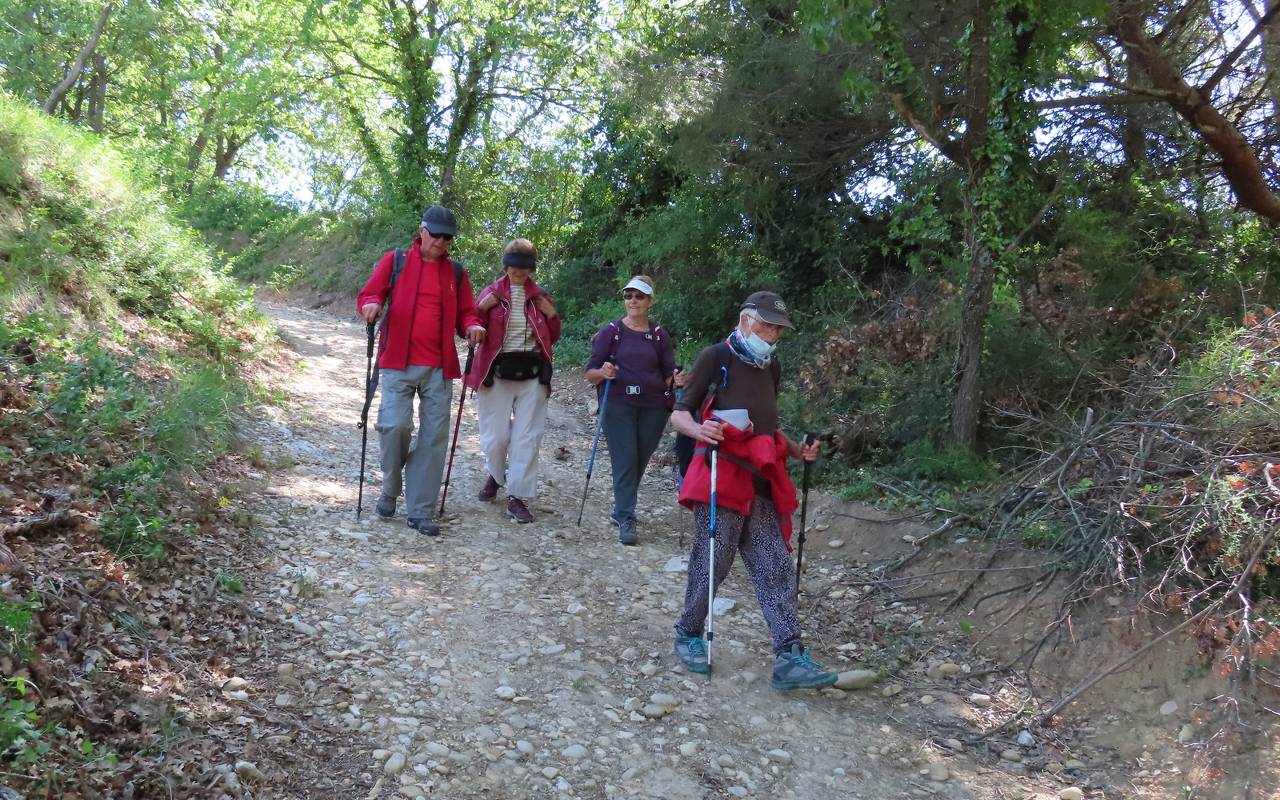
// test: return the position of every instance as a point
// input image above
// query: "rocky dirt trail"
(510, 661)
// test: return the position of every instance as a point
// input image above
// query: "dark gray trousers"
(633, 434)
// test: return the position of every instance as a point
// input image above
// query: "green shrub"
(15, 625)
(22, 742)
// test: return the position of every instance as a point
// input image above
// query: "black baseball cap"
(769, 306)
(439, 221)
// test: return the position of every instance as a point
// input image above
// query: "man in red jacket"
(425, 304)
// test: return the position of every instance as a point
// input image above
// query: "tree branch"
(1209, 85)
(73, 74)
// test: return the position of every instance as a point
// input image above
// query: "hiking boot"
(692, 652)
(627, 532)
(489, 490)
(794, 669)
(424, 526)
(517, 510)
(386, 506)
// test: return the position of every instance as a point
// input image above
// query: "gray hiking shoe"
(424, 526)
(794, 669)
(386, 506)
(627, 532)
(692, 652)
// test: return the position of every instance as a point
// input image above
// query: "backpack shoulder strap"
(616, 327)
(724, 353)
(397, 266)
(776, 368)
(458, 271)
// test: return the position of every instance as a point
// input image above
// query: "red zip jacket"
(458, 305)
(735, 489)
(545, 331)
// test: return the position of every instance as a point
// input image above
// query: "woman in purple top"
(642, 369)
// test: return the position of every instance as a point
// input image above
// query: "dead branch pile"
(1173, 495)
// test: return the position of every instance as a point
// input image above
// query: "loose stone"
(395, 763)
(856, 679)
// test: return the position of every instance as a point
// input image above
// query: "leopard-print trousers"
(759, 539)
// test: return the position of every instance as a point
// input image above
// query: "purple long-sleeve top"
(645, 362)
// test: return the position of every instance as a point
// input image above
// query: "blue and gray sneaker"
(627, 532)
(386, 506)
(794, 669)
(692, 652)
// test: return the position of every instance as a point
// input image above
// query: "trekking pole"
(679, 393)
(370, 388)
(804, 508)
(591, 462)
(471, 351)
(711, 554)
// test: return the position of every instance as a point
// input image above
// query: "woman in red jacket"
(512, 377)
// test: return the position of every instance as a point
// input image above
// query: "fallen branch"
(1075, 693)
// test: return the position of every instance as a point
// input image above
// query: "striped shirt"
(518, 339)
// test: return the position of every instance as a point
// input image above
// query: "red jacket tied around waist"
(458, 308)
(735, 487)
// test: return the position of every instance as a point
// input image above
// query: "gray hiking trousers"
(416, 465)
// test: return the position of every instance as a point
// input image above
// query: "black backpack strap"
(397, 266)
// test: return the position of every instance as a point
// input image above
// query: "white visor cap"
(636, 283)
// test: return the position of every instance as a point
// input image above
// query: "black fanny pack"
(519, 367)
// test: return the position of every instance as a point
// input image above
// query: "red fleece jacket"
(457, 302)
(735, 488)
(545, 331)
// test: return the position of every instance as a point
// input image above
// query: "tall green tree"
(961, 76)
(451, 73)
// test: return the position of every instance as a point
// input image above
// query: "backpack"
(397, 266)
(685, 445)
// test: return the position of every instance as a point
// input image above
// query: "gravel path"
(510, 661)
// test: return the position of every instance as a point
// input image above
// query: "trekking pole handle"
(809, 439)
(471, 352)
(368, 328)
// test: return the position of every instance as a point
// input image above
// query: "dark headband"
(527, 260)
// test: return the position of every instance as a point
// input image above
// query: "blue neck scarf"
(738, 344)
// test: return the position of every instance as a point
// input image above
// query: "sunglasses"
(634, 296)
(448, 237)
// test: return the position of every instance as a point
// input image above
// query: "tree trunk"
(466, 109)
(973, 322)
(98, 94)
(225, 156)
(967, 405)
(1240, 163)
(418, 88)
(73, 74)
(196, 153)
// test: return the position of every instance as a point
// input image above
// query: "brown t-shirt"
(748, 387)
